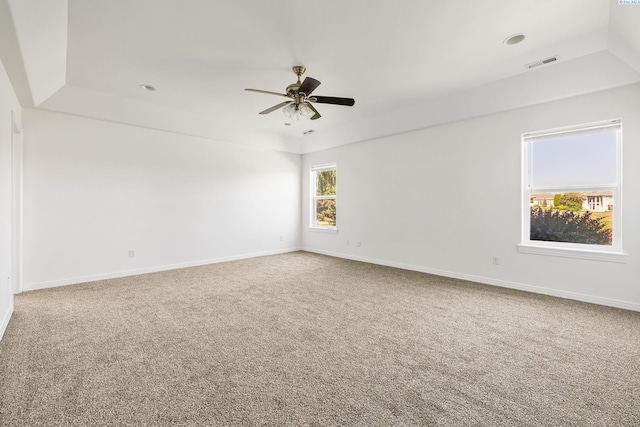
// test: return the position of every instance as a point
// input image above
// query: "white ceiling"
(408, 63)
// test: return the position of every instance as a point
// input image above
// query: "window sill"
(574, 253)
(328, 230)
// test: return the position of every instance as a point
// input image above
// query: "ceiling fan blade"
(308, 85)
(275, 107)
(266, 91)
(333, 100)
(316, 115)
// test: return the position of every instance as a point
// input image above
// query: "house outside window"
(324, 196)
(572, 192)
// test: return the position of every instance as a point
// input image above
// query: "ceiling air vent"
(542, 62)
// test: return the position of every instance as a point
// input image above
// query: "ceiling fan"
(300, 102)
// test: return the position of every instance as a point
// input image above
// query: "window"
(323, 196)
(572, 191)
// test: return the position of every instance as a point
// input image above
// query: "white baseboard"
(488, 281)
(472, 278)
(5, 320)
(155, 269)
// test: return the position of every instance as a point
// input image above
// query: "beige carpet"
(304, 339)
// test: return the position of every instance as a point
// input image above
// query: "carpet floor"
(306, 339)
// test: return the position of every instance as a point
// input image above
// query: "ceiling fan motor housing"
(298, 70)
(292, 89)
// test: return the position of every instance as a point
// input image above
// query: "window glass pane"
(572, 217)
(574, 159)
(326, 182)
(325, 212)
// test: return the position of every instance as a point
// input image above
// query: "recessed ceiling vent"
(514, 39)
(543, 62)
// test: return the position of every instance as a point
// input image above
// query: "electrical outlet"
(348, 242)
(282, 238)
(132, 253)
(495, 260)
(359, 244)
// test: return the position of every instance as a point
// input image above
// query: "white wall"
(10, 110)
(447, 199)
(93, 190)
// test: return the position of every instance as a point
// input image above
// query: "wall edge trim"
(5, 322)
(592, 299)
(154, 269)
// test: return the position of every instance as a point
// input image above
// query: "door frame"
(16, 203)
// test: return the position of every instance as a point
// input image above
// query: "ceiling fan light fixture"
(289, 111)
(304, 110)
(297, 111)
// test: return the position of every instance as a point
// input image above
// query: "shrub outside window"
(323, 200)
(572, 189)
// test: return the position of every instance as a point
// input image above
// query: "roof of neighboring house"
(597, 193)
(542, 195)
(584, 193)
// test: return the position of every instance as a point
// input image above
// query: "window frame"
(314, 198)
(613, 253)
